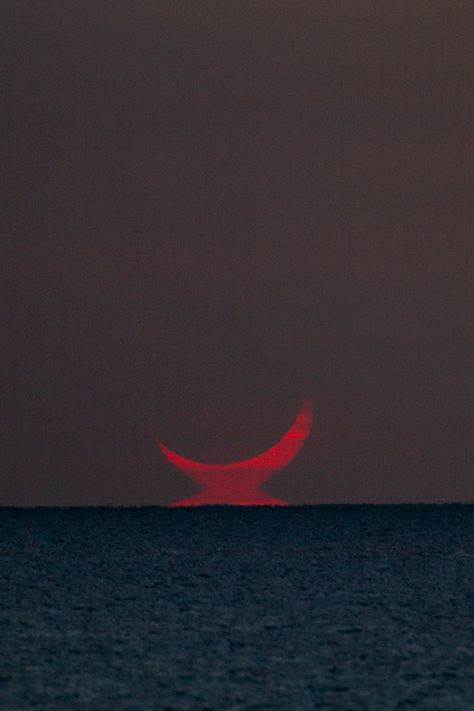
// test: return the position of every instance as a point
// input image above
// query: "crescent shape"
(264, 465)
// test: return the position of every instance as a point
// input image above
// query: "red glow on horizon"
(237, 484)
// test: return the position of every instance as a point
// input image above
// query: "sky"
(214, 210)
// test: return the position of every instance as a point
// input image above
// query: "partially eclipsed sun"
(237, 484)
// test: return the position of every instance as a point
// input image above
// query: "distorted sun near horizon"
(238, 483)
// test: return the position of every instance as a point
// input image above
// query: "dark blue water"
(233, 608)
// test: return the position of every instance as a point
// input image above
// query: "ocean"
(222, 608)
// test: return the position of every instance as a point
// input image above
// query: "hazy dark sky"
(211, 204)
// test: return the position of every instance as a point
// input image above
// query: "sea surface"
(318, 607)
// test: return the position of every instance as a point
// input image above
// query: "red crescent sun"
(237, 484)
